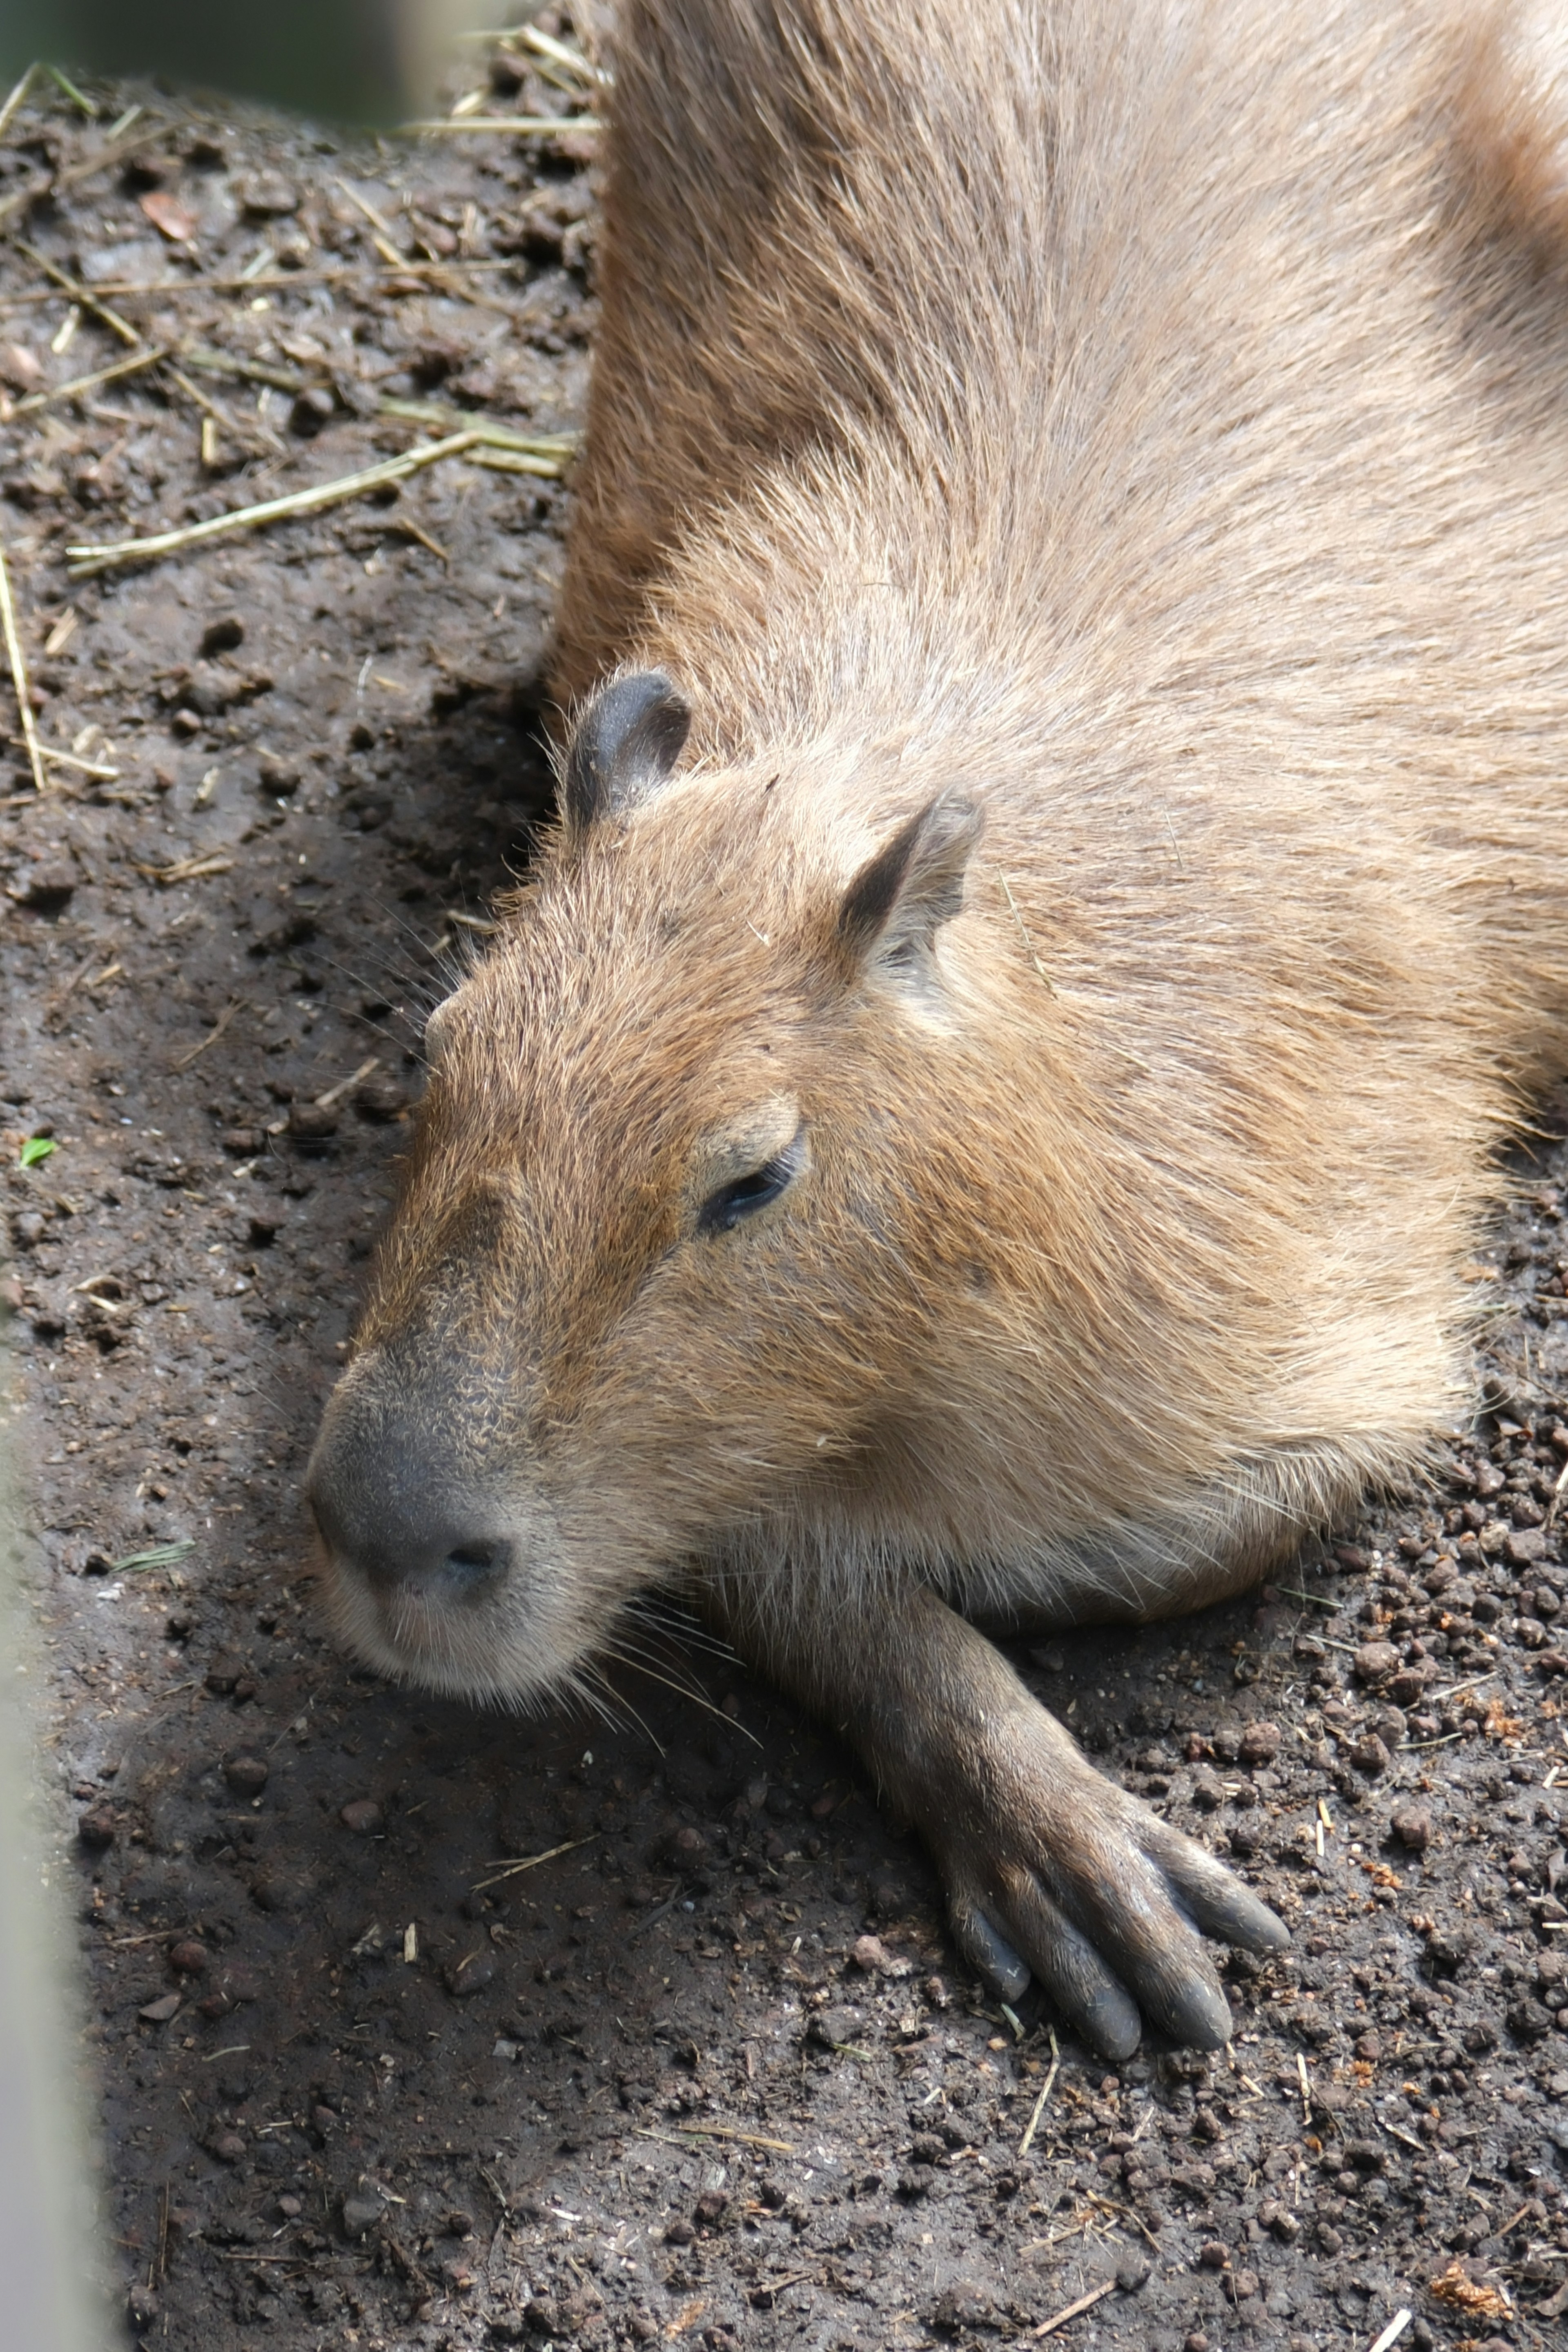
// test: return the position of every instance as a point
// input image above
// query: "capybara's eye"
(724, 1209)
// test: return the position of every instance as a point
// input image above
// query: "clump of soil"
(415, 2026)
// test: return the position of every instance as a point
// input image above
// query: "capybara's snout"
(437, 1560)
(390, 1514)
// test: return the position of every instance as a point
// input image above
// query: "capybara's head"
(650, 1283)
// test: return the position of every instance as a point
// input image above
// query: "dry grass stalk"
(212, 363)
(512, 1869)
(517, 461)
(1393, 2331)
(184, 1061)
(291, 281)
(746, 2139)
(411, 530)
(186, 869)
(344, 1085)
(83, 561)
(69, 760)
(79, 99)
(62, 278)
(19, 677)
(80, 383)
(8, 111)
(215, 418)
(384, 241)
(1073, 2310)
(1033, 2125)
(563, 446)
(559, 53)
(515, 126)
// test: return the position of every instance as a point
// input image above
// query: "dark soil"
(362, 2084)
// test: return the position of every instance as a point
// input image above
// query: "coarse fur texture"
(1096, 482)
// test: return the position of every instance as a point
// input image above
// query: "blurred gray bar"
(51, 2229)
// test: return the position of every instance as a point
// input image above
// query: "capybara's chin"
(433, 1645)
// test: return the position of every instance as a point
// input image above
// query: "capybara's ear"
(1512, 116)
(627, 740)
(900, 898)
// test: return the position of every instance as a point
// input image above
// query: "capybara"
(979, 1108)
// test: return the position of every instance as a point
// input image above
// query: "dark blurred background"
(360, 60)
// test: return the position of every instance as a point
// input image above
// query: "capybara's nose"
(439, 1559)
(387, 1513)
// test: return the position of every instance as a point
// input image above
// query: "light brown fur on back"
(1199, 504)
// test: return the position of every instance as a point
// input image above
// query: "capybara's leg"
(1047, 1866)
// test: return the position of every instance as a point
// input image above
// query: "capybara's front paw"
(1051, 1870)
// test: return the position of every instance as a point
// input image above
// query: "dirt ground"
(416, 2026)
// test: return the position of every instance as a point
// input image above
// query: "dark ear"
(625, 744)
(896, 904)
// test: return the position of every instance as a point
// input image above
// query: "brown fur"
(1146, 423)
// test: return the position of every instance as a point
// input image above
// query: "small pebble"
(247, 1775)
(267, 194)
(1412, 1826)
(187, 1958)
(97, 1828)
(361, 2212)
(311, 1122)
(871, 1955)
(20, 368)
(380, 1098)
(471, 1974)
(1260, 1743)
(363, 1815)
(962, 2308)
(47, 887)
(313, 407)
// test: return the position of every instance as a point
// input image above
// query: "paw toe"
(1196, 2014)
(988, 1951)
(1111, 2020)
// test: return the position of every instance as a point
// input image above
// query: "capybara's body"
(993, 1120)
